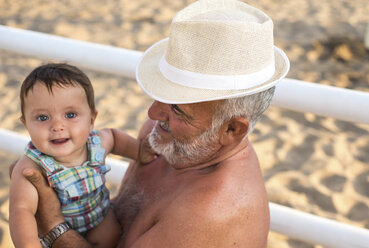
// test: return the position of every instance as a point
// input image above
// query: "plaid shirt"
(81, 190)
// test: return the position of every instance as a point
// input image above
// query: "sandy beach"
(311, 163)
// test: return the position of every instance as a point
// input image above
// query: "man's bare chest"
(145, 194)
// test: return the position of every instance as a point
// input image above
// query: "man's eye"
(176, 110)
(179, 112)
(42, 118)
(70, 115)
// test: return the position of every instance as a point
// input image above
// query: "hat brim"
(154, 84)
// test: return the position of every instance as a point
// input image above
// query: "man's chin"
(182, 155)
(168, 152)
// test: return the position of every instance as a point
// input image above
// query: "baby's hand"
(146, 153)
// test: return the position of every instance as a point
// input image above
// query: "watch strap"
(54, 233)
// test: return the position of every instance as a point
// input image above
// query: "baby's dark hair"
(58, 74)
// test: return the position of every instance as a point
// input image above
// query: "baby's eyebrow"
(38, 111)
(177, 110)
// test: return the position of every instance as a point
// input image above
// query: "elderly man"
(211, 81)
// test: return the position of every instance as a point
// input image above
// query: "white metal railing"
(89, 55)
(292, 94)
(15, 143)
(342, 104)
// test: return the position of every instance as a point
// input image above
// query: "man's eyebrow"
(177, 110)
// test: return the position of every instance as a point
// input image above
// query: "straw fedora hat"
(217, 49)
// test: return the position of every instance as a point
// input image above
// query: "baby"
(58, 110)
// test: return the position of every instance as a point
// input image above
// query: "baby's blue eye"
(42, 118)
(70, 115)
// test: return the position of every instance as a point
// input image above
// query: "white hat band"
(215, 82)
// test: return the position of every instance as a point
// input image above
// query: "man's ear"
(233, 130)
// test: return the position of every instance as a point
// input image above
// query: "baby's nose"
(57, 125)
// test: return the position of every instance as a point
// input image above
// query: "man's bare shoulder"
(233, 184)
(230, 198)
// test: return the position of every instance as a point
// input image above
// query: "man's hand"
(48, 212)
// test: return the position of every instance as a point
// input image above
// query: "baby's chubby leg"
(107, 233)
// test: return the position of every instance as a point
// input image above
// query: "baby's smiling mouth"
(59, 141)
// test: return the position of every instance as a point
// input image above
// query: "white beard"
(180, 153)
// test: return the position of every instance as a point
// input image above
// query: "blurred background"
(311, 163)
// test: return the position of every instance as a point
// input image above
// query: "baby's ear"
(233, 130)
(93, 118)
(22, 120)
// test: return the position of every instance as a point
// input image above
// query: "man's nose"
(57, 125)
(158, 111)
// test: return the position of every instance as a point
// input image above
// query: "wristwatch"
(54, 233)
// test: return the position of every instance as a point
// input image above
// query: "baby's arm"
(22, 207)
(120, 143)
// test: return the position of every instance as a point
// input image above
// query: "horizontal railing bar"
(89, 55)
(339, 103)
(14, 143)
(342, 104)
(315, 229)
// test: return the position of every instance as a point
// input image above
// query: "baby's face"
(58, 122)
